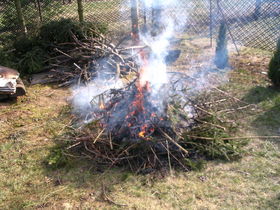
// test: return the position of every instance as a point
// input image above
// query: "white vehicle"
(10, 83)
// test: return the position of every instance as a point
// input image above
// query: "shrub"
(32, 61)
(32, 52)
(24, 44)
(221, 57)
(30, 55)
(61, 31)
(274, 67)
(7, 58)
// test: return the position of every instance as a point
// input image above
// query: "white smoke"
(171, 22)
(159, 44)
(85, 98)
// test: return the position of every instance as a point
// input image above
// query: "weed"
(57, 158)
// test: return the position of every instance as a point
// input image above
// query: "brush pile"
(125, 129)
(175, 140)
(126, 125)
(79, 61)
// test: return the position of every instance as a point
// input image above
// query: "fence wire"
(254, 23)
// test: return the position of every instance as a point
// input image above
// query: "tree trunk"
(40, 11)
(135, 20)
(80, 10)
(20, 16)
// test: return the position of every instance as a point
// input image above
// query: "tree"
(221, 57)
(80, 10)
(20, 17)
(274, 67)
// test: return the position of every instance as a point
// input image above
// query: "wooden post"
(20, 17)
(135, 21)
(80, 10)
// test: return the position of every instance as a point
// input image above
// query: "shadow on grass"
(259, 94)
(6, 102)
(267, 121)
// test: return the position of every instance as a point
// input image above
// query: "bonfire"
(138, 118)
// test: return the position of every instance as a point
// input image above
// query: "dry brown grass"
(30, 127)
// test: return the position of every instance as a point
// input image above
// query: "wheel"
(20, 90)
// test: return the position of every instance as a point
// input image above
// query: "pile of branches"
(178, 142)
(79, 61)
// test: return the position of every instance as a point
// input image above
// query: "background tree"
(20, 17)
(80, 10)
(32, 15)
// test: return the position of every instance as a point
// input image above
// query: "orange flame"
(142, 134)
(143, 86)
(101, 106)
(101, 102)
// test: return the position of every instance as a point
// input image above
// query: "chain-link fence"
(253, 23)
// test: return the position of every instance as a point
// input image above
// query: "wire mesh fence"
(254, 23)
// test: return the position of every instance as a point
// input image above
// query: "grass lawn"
(106, 10)
(31, 127)
(255, 36)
